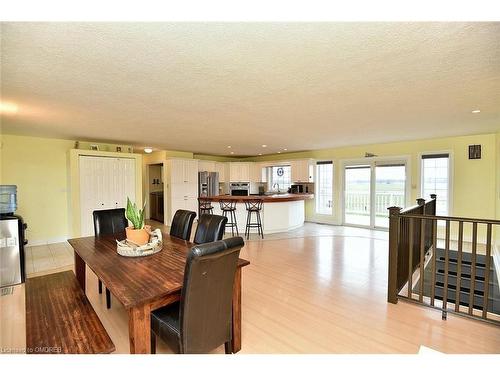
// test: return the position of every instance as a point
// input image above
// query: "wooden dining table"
(144, 284)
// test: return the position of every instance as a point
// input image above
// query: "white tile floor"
(44, 258)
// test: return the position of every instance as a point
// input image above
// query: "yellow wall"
(38, 166)
(474, 181)
(40, 169)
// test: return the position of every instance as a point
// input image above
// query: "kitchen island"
(280, 212)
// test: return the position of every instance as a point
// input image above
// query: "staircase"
(465, 281)
(413, 236)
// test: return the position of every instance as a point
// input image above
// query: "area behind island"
(280, 212)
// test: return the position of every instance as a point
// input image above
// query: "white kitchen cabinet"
(183, 203)
(105, 183)
(191, 171)
(302, 170)
(223, 169)
(239, 172)
(176, 171)
(182, 186)
(234, 172)
(256, 174)
(183, 170)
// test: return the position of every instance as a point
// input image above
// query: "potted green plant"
(138, 233)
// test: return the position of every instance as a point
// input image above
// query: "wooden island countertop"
(265, 198)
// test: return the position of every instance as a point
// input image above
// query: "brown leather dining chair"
(201, 321)
(182, 224)
(210, 228)
(109, 222)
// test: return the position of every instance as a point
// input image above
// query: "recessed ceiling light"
(232, 152)
(260, 154)
(279, 152)
(476, 111)
(228, 146)
(285, 149)
(8, 107)
(264, 145)
(148, 150)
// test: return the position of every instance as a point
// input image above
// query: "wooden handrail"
(454, 218)
(404, 243)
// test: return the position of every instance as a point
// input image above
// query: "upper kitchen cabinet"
(223, 170)
(183, 170)
(239, 172)
(302, 170)
(256, 174)
(207, 166)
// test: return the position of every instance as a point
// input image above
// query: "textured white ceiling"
(200, 87)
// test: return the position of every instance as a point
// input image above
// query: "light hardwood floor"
(318, 289)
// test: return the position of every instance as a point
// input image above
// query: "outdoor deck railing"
(359, 203)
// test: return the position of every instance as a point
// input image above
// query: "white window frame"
(450, 176)
(270, 173)
(316, 187)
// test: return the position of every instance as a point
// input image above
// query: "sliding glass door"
(369, 189)
(390, 187)
(357, 197)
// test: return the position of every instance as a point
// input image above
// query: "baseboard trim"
(323, 222)
(46, 241)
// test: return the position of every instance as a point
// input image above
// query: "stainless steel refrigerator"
(208, 184)
(12, 241)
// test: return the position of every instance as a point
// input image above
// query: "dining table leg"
(139, 329)
(236, 321)
(80, 271)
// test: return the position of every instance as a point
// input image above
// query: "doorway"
(370, 188)
(155, 192)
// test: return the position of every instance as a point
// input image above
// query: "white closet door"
(104, 183)
(86, 196)
(112, 181)
(126, 182)
(122, 182)
(93, 190)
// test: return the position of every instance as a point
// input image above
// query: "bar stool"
(254, 205)
(229, 206)
(205, 207)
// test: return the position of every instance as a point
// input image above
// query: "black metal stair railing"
(451, 280)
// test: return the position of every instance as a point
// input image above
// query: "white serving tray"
(127, 248)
